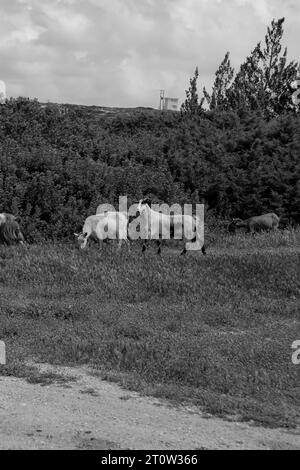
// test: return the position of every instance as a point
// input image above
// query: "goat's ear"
(147, 201)
(76, 234)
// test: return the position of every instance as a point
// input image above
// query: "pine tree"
(192, 106)
(224, 75)
(246, 91)
(264, 81)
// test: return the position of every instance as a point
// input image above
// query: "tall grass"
(215, 331)
(289, 238)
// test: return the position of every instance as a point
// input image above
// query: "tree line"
(236, 149)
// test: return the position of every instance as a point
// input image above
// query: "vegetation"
(263, 83)
(240, 157)
(215, 331)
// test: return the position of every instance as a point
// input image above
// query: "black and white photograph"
(149, 228)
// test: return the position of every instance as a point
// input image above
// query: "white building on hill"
(170, 104)
(2, 92)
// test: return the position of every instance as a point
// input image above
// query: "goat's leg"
(183, 253)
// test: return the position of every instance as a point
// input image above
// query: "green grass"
(214, 331)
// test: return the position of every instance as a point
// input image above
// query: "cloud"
(260, 7)
(266, 10)
(121, 52)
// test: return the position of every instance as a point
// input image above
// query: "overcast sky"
(121, 52)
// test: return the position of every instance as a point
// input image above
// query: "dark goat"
(10, 232)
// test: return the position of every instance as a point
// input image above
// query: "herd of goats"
(123, 228)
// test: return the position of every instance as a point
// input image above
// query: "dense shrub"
(57, 163)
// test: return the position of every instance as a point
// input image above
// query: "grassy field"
(214, 331)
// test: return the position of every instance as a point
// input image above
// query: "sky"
(122, 52)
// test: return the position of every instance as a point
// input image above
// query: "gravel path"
(93, 414)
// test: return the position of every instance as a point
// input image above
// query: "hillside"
(59, 162)
(95, 112)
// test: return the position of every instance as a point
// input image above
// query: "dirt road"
(89, 413)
